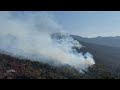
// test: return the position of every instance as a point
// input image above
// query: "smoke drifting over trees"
(29, 36)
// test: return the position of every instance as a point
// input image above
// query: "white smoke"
(29, 36)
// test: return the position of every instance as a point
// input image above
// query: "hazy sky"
(89, 23)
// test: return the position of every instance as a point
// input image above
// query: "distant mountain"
(102, 54)
(107, 41)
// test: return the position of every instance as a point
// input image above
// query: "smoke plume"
(29, 35)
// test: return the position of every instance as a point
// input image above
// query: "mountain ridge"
(107, 41)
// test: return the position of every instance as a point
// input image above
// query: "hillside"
(14, 68)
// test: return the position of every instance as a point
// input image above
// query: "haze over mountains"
(107, 41)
